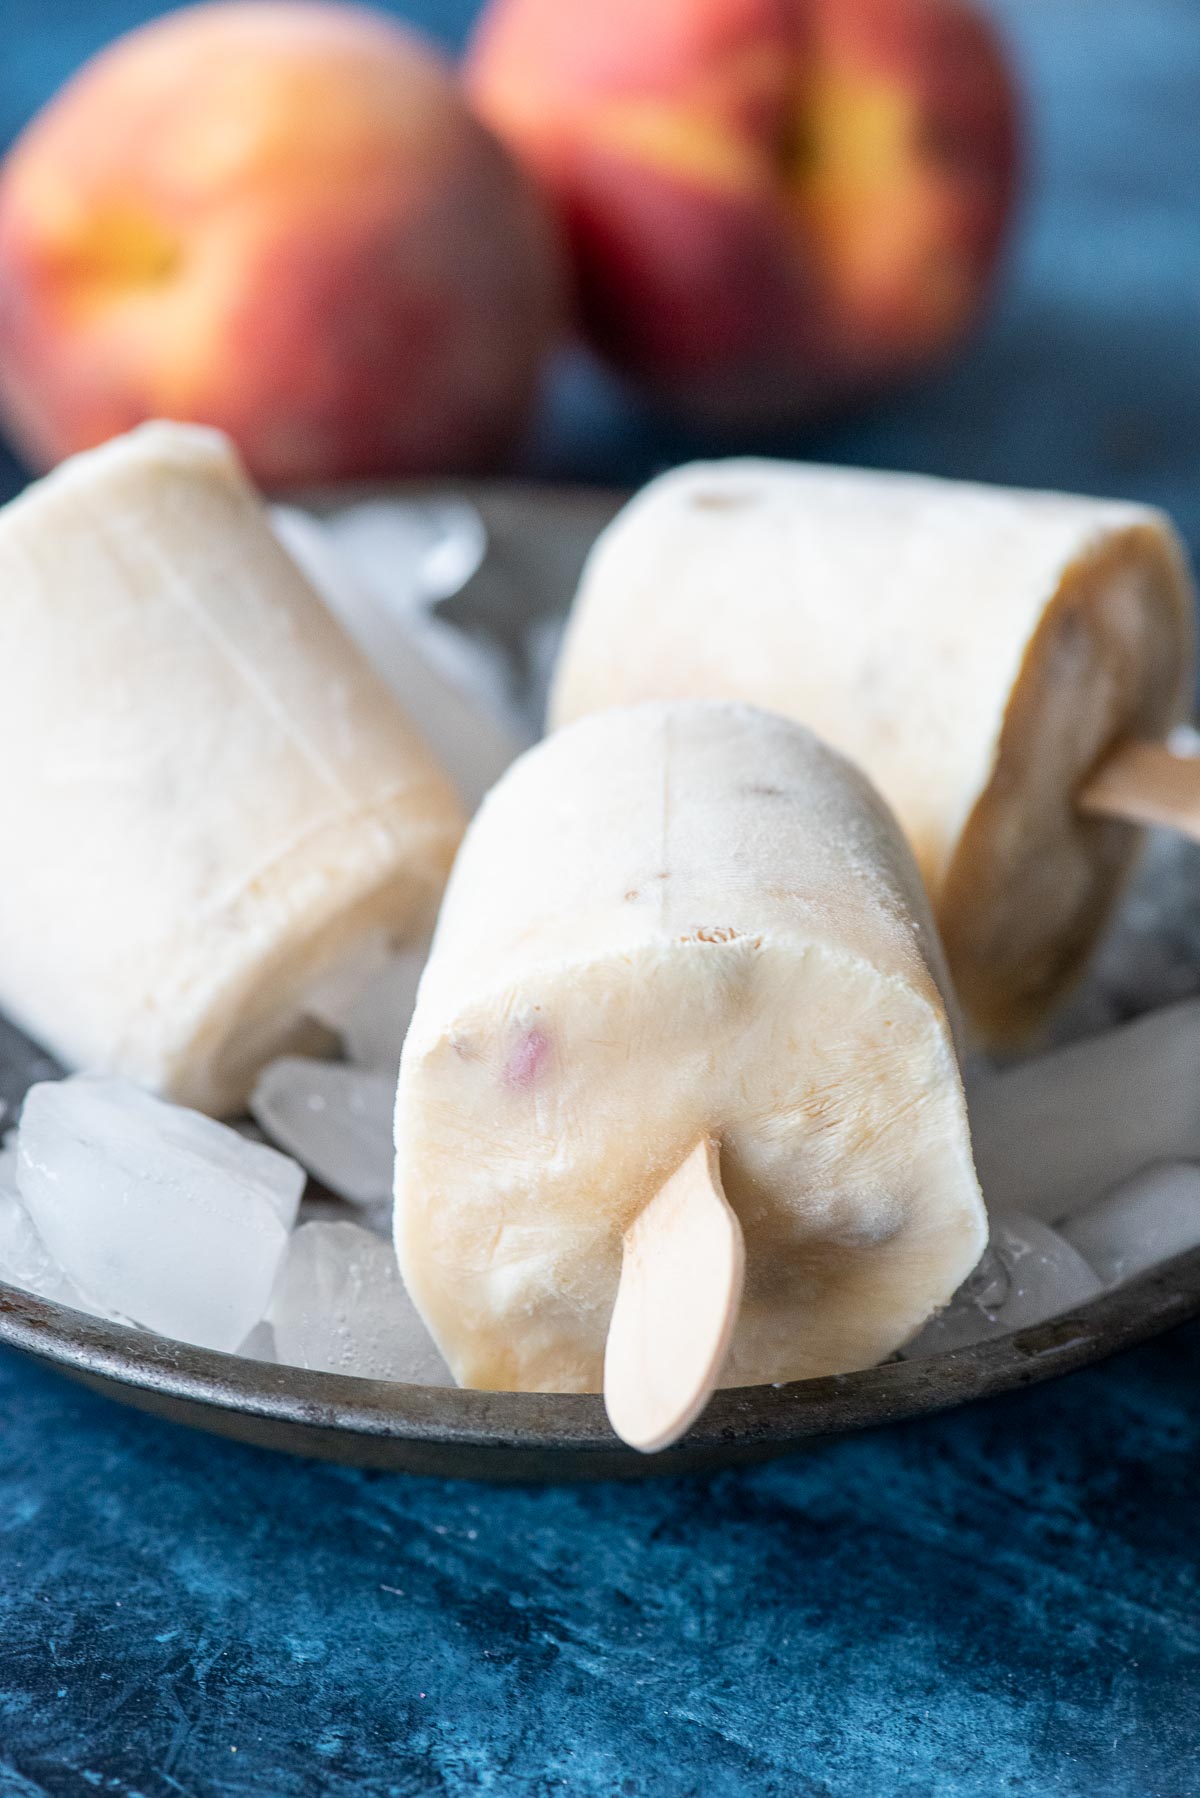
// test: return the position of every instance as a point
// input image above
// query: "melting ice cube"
(332, 997)
(414, 552)
(260, 1343)
(318, 1206)
(164, 1216)
(336, 1120)
(24, 1258)
(1148, 956)
(341, 1307)
(371, 1005)
(1144, 1222)
(1028, 1274)
(376, 1026)
(409, 557)
(450, 685)
(544, 643)
(25, 1261)
(1053, 1134)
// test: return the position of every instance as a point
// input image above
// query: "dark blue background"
(1001, 1601)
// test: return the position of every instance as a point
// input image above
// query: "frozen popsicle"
(1003, 665)
(669, 927)
(209, 798)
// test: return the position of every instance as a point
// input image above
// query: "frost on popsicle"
(163, 1216)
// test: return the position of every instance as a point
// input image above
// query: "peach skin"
(772, 204)
(283, 220)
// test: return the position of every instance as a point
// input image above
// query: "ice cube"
(412, 557)
(414, 552)
(25, 1261)
(370, 1004)
(162, 1215)
(260, 1343)
(334, 995)
(341, 1307)
(543, 643)
(448, 685)
(321, 1207)
(377, 1217)
(1145, 1221)
(24, 1258)
(1150, 954)
(336, 1120)
(1053, 1134)
(376, 1025)
(1028, 1274)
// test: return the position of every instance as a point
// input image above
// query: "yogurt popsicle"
(209, 798)
(978, 652)
(666, 925)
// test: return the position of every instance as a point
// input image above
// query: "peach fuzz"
(283, 220)
(772, 203)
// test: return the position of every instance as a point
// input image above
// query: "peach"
(772, 203)
(284, 220)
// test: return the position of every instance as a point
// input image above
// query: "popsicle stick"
(1146, 783)
(677, 1302)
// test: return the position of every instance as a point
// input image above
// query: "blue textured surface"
(1002, 1601)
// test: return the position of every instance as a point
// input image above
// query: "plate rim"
(231, 1394)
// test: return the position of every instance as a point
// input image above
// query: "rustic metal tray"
(537, 1436)
(538, 538)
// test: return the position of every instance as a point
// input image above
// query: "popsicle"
(684, 1016)
(1003, 665)
(208, 797)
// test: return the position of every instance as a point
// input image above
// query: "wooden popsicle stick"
(677, 1302)
(1146, 783)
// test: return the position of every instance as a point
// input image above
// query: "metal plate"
(538, 540)
(536, 1436)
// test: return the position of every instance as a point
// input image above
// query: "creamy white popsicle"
(665, 924)
(209, 797)
(977, 651)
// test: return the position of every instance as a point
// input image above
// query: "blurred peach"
(772, 203)
(283, 220)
